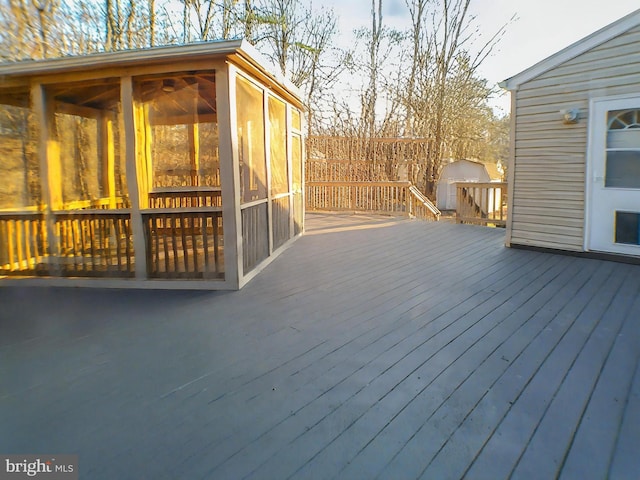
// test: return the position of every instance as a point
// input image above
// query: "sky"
(541, 28)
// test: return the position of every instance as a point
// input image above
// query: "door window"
(628, 228)
(622, 168)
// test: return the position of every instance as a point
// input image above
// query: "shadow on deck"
(374, 347)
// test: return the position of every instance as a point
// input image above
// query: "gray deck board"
(595, 442)
(626, 458)
(373, 347)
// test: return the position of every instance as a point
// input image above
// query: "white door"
(614, 176)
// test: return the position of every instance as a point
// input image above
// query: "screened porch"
(175, 167)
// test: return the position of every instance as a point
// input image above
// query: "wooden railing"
(89, 243)
(421, 207)
(183, 234)
(96, 204)
(185, 177)
(23, 243)
(481, 203)
(394, 198)
(185, 244)
(94, 243)
(186, 198)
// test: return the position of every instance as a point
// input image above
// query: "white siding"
(550, 157)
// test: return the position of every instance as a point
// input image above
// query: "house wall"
(549, 164)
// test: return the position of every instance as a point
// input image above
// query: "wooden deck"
(372, 348)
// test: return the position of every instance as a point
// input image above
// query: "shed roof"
(460, 160)
(465, 164)
(581, 46)
(241, 51)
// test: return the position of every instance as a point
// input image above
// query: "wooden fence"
(374, 150)
(390, 198)
(360, 171)
(346, 159)
(481, 203)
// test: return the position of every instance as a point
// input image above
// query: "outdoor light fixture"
(168, 85)
(570, 115)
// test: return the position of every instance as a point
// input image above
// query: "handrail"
(193, 197)
(103, 203)
(363, 183)
(395, 198)
(420, 197)
(481, 203)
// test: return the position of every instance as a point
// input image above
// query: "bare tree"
(229, 18)
(298, 40)
(126, 25)
(370, 97)
(419, 55)
(249, 20)
(443, 98)
(22, 22)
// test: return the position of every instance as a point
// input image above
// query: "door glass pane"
(628, 228)
(623, 169)
(623, 149)
(623, 119)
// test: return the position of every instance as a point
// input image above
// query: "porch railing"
(186, 243)
(88, 243)
(23, 243)
(183, 238)
(481, 203)
(94, 243)
(391, 198)
(186, 197)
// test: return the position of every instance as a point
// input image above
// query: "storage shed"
(574, 171)
(458, 171)
(170, 167)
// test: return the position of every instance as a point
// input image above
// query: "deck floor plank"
(545, 452)
(373, 347)
(558, 345)
(408, 395)
(434, 438)
(626, 458)
(594, 446)
(478, 425)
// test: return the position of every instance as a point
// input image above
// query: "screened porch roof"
(16, 76)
